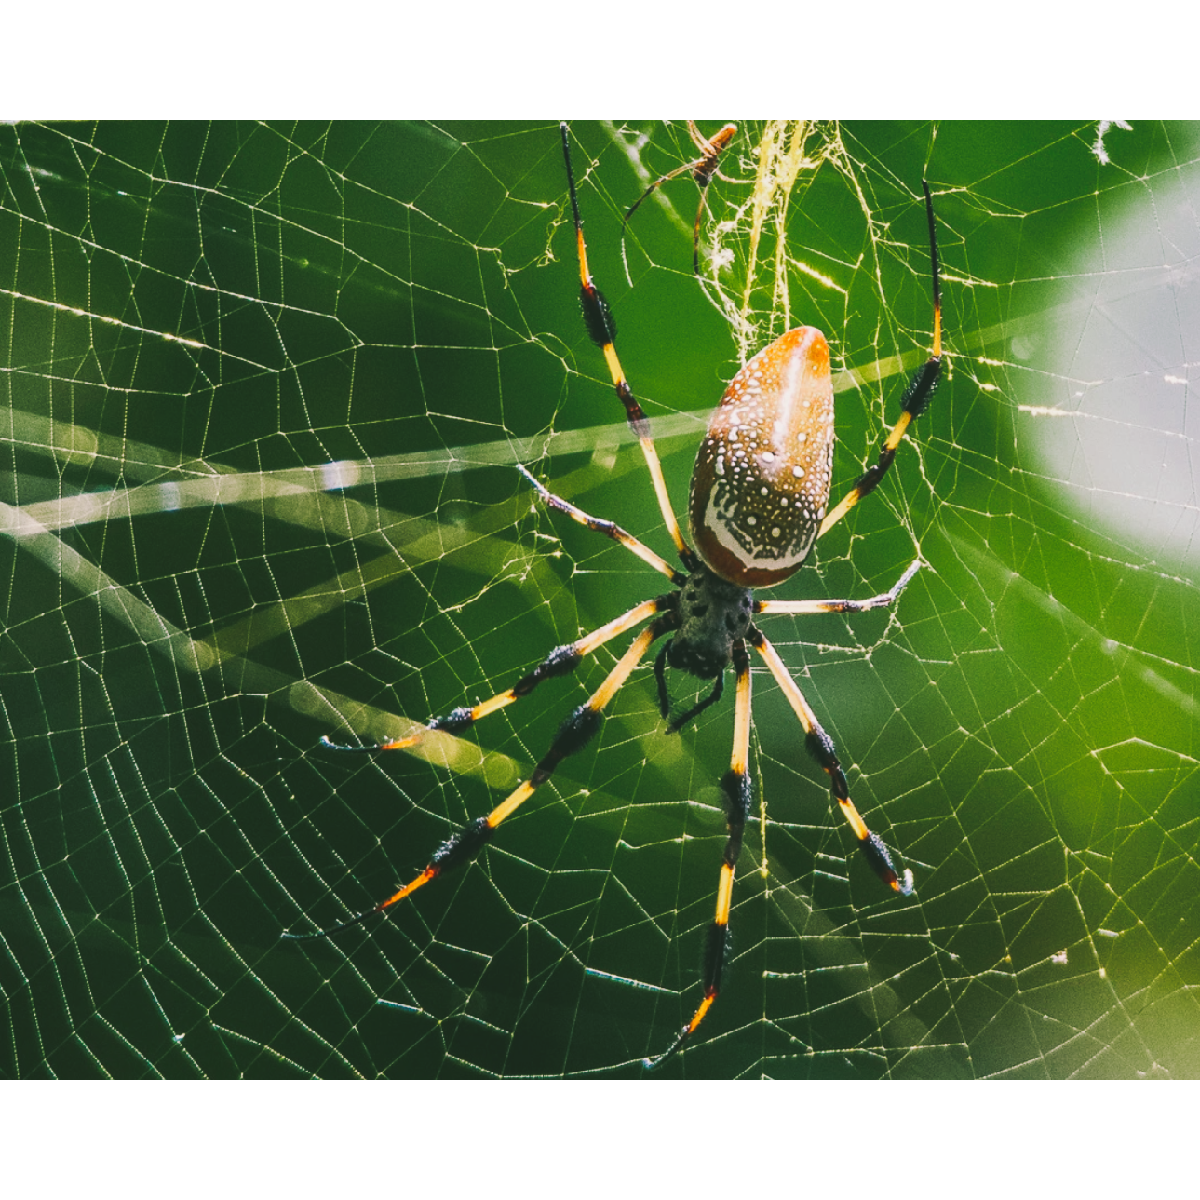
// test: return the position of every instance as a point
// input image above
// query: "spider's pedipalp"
(661, 661)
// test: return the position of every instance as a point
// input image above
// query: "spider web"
(266, 387)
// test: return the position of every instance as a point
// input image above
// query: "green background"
(199, 319)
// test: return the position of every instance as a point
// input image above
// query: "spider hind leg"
(737, 792)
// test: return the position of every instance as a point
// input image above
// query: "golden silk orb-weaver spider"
(758, 502)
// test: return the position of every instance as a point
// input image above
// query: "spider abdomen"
(761, 482)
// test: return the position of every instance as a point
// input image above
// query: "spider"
(758, 501)
(702, 169)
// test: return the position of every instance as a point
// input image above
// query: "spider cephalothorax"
(713, 616)
(759, 494)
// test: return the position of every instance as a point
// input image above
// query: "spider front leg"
(916, 396)
(736, 788)
(602, 329)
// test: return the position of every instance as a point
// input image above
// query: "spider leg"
(562, 660)
(574, 733)
(608, 528)
(735, 785)
(797, 607)
(820, 745)
(602, 329)
(912, 404)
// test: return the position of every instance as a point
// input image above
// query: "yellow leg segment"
(574, 734)
(735, 785)
(603, 331)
